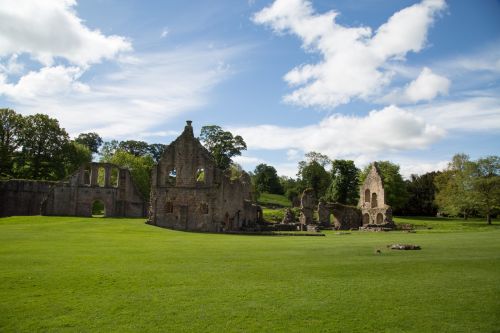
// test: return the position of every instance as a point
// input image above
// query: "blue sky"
(409, 81)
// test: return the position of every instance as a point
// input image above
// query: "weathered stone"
(307, 207)
(344, 217)
(76, 196)
(404, 247)
(288, 217)
(374, 209)
(22, 197)
(188, 191)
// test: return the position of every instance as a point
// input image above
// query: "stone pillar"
(93, 174)
(107, 176)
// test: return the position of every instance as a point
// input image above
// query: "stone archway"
(380, 218)
(98, 208)
(366, 219)
(374, 200)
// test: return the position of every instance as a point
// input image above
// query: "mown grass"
(120, 275)
(273, 200)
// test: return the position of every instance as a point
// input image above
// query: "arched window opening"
(200, 175)
(114, 177)
(380, 218)
(172, 176)
(101, 172)
(204, 208)
(169, 207)
(332, 219)
(367, 195)
(374, 200)
(98, 209)
(366, 219)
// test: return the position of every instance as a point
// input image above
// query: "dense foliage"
(344, 186)
(266, 179)
(222, 145)
(421, 195)
(467, 187)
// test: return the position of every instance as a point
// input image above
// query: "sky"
(413, 82)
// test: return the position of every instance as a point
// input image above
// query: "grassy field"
(120, 275)
(274, 200)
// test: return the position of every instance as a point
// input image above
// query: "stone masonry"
(188, 191)
(372, 200)
(104, 182)
(22, 197)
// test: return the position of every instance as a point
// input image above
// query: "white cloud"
(427, 86)
(388, 130)
(49, 81)
(49, 29)
(419, 167)
(164, 33)
(144, 93)
(468, 114)
(353, 58)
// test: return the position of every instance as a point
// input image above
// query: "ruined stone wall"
(182, 199)
(307, 206)
(344, 217)
(372, 199)
(76, 196)
(22, 197)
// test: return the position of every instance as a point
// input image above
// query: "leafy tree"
(43, 146)
(266, 179)
(486, 185)
(90, 140)
(139, 166)
(75, 154)
(421, 195)
(136, 148)
(108, 149)
(313, 175)
(156, 150)
(222, 144)
(454, 187)
(396, 194)
(344, 187)
(10, 129)
(292, 188)
(319, 158)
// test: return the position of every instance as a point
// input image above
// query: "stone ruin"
(188, 191)
(375, 212)
(104, 182)
(372, 212)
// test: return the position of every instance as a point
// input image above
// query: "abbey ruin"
(189, 192)
(111, 185)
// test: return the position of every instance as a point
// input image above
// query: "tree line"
(36, 147)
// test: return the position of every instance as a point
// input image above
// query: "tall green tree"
(266, 179)
(10, 131)
(75, 155)
(222, 145)
(454, 187)
(156, 150)
(43, 144)
(396, 194)
(312, 174)
(140, 168)
(486, 185)
(344, 186)
(421, 195)
(90, 140)
(134, 147)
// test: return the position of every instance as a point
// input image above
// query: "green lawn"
(120, 275)
(274, 200)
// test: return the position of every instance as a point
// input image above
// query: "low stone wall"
(23, 197)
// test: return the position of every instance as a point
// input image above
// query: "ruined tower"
(372, 199)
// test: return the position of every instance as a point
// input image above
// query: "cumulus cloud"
(425, 87)
(143, 93)
(390, 129)
(353, 58)
(50, 29)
